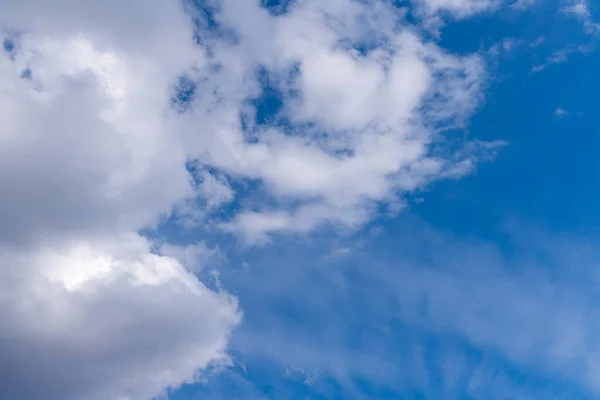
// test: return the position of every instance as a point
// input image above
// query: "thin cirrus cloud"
(91, 154)
(423, 311)
(580, 9)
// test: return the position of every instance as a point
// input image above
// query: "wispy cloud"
(459, 8)
(559, 112)
(562, 56)
(528, 307)
(521, 5)
(580, 9)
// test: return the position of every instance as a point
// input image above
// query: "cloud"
(87, 135)
(90, 156)
(561, 56)
(163, 30)
(459, 8)
(559, 112)
(536, 312)
(365, 105)
(485, 310)
(106, 320)
(212, 192)
(114, 118)
(509, 44)
(194, 256)
(521, 5)
(580, 10)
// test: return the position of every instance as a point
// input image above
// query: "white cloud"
(211, 192)
(88, 136)
(105, 320)
(578, 8)
(163, 30)
(536, 314)
(90, 155)
(193, 256)
(559, 112)
(522, 4)
(364, 124)
(459, 8)
(529, 308)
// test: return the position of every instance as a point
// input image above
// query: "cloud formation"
(366, 101)
(581, 10)
(105, 319)
(88, 158)
(92, 152)
(482, 309)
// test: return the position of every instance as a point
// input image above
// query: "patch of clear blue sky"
(548, 172)
(547, 176)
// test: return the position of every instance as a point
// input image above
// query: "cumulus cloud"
(365, 105)
(560, 113)
(89, 156)
(194, 256)
(105, 319)
(87, 134)
(561, 56)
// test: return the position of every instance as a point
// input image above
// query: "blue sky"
(222, 199)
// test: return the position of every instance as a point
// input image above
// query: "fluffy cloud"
(89, 156)
(85, 143)
(105, 319)
(366, 98)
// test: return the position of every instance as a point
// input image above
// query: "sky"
(299, 199)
